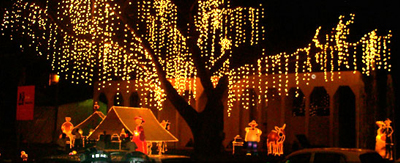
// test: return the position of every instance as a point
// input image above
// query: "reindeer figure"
(275, 140)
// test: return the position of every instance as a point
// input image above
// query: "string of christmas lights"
(87, 41)
(336, 54)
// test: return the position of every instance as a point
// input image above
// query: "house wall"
(320, 130)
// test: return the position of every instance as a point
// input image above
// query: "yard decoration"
(80, 131)
(237, 144)
(384, 143)
(24, 156)
(79, 140)
(96, 106)
(119, 117)
(67, 128)
(123, 134)
(138, 135)
(252, 138)
(162, 146)
(275, 140)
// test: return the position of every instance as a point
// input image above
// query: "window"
(298, 102)
(319, 102)
(103, 98)
(371, 157)
(134, 99)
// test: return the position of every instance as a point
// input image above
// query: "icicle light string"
(335, 55)
(94, 41)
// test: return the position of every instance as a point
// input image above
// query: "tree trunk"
(207, 126)
(208, 133)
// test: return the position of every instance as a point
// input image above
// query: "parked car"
(95, 155)
(171, 159)
(333, 155)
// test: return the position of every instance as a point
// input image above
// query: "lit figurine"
(275, 140)
(96, 106)
(80, 131)
(74, 152)
(252, 138)
(79, 140)
(138, 135)
(24, 156)
(237, 145)
(123, 134)
(67, 128)
(162, 146)
(384, 143)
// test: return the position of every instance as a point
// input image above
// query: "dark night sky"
(290, 24)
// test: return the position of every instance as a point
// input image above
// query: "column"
(331, 118)
(283, 109)
(307, 112)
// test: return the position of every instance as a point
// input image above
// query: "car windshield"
(370, 157)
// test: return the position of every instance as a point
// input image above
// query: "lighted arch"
(134, 99)
(319, 102)
(297, 102)
(103, 98)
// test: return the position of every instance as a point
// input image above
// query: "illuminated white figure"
(24, 156)
(67, 128)
(275, 140)
(252, 137)
(384, 139)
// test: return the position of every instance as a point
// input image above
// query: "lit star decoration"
(90, 41)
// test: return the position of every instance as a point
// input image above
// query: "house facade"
(320, 112)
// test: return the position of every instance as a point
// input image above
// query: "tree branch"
(218, 64)
(204, 75)
(178, 101)
(222, 86)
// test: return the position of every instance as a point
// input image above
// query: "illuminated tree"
(168, 48)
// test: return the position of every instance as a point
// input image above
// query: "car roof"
(350, 154)
(334, 149)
